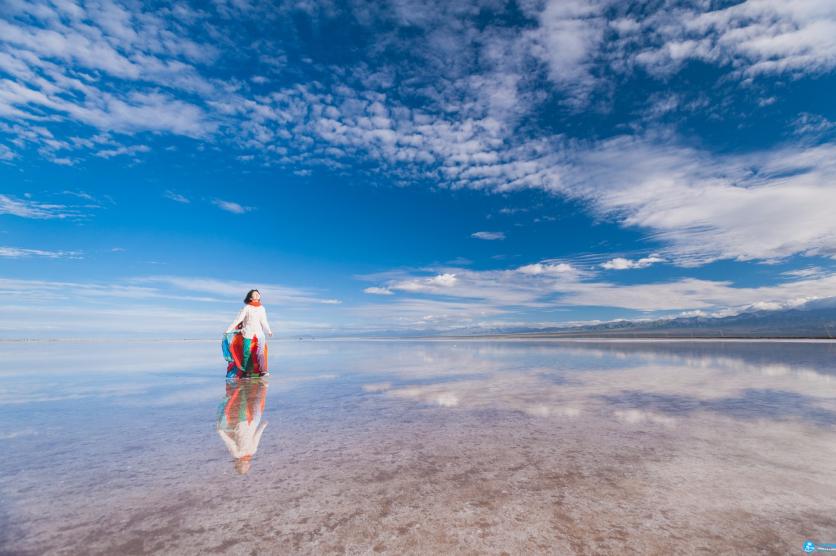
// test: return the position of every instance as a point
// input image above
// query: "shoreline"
(491, 338)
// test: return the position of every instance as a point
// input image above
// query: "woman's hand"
(270, 334)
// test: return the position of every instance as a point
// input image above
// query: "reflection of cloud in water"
(21, 393)
(635, 416)
(418, 360)
(750, 404)
(542, 410)
(443, 398)
(177, 395)
(513, 377)
(8, 435)
(377, 387)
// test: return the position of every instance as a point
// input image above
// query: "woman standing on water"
(252, 321)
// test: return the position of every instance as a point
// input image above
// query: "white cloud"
(691, 293)
(422, 314)
(812, 124)
(547, 268)
(568, 39)
(620, 263)
(120, 151)
(7, 154)
(26, 208)
(808, 272)
(444, 280)
(437, 283)
(509, 297)
(490, 236)
(46, 290)
(467, 296)
(17, 253)
(147, 306)
(38, 210)
(80, 194)
(765, 205)
(378, 291)
(756, 36)
(231, 206)
(176, 197)
(271, 293)
(107, 66)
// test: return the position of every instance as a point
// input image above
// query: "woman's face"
(256, 296)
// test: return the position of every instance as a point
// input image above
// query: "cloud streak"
(154, 306)
(231, 206)
(488, 236)
(373, 290)
(26, 208)
(620, 263)
(19, 253)
(755, 36)
(177, 197)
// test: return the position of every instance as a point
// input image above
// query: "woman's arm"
(237, 320)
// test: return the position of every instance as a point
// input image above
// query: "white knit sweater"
(255, 322)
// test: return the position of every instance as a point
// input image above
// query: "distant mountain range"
(814, 319)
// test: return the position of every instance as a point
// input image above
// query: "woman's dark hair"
(250, 296)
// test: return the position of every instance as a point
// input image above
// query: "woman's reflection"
(240, 419)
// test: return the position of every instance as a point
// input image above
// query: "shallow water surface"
(419, 447)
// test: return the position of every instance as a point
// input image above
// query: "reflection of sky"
(626, 379)
(99, 421)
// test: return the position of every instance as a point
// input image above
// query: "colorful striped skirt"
(245, 357)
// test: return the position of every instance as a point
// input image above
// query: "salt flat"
(459, 447)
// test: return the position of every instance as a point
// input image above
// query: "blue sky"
(404, 167)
